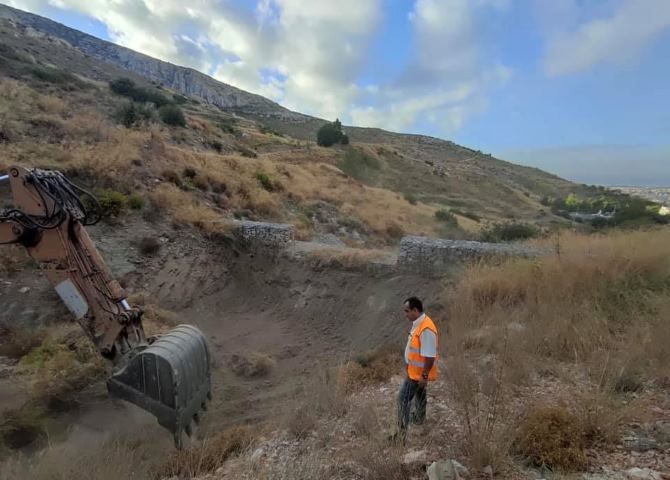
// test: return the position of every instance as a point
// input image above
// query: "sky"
(580, 88)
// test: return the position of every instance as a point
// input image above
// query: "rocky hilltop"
(184, 80)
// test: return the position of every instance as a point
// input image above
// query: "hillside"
(551, 367)
(433, 174)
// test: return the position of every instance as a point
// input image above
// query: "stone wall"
(273, 236)
(421, 253)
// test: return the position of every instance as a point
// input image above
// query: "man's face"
(411, 314)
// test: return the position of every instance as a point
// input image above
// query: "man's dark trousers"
(411, 390)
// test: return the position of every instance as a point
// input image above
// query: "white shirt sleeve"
(428, 344)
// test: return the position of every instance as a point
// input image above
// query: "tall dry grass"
(593, 318)
(604, 298)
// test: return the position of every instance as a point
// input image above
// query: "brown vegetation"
(591, 319)
(251, 365)
(551, 437)
(209, 456)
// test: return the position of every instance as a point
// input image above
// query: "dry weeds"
(552, 437)
(597, 309)
(16, 342)
(209, 456)
(253, 364)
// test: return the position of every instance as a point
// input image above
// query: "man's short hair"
(414, 304)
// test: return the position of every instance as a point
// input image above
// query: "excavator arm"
(167, 375)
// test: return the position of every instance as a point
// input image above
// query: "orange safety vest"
(416, 361)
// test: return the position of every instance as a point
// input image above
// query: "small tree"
(127, 115)
(330, 134)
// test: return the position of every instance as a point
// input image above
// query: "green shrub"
(127, 115)
(112, 203)
(411, 198)
(172, 115)
(446, 216)
(359, 165)
(128, 88)
(216, 145)
(130, 114)
(330, 134)
(55, 75)
(227, 126)
(135, 201)
(147, 112)
(179, 99)
(189, 172)
(507, 232)
(265, 181)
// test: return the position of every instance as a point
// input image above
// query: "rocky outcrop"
(183, 80)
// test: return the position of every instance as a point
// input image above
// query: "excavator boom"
(168, 375)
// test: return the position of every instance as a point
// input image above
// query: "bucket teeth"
(170, 378)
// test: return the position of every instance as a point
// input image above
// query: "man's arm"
(428, 352)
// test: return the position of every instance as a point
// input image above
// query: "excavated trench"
(300, 316)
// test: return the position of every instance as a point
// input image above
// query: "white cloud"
(317, 48)
(616, 36)
(449, 76)
(309, 54)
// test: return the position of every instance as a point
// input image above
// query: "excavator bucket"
(170, 378)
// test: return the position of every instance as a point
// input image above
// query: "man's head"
(413, 308)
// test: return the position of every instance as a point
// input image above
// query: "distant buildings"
(589, 217)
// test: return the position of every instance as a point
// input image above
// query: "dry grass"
(591, 318)
(209, 456)
(552, 437)
(374, 366)
(64, 363)
(186, 210)
(595, 297)
(325, 395)
(156, 320)
(100, 457)
(16, 342)
(51, 104)
(67, 133)
(380, 461)
(13, 258)
(253, 364)
(483, 398)
(21, 427)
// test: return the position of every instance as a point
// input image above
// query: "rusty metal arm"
(169, 377)
(72, 264)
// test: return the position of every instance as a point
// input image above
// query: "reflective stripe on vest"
(416, 362)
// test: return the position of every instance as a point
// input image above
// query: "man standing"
(421, 360)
